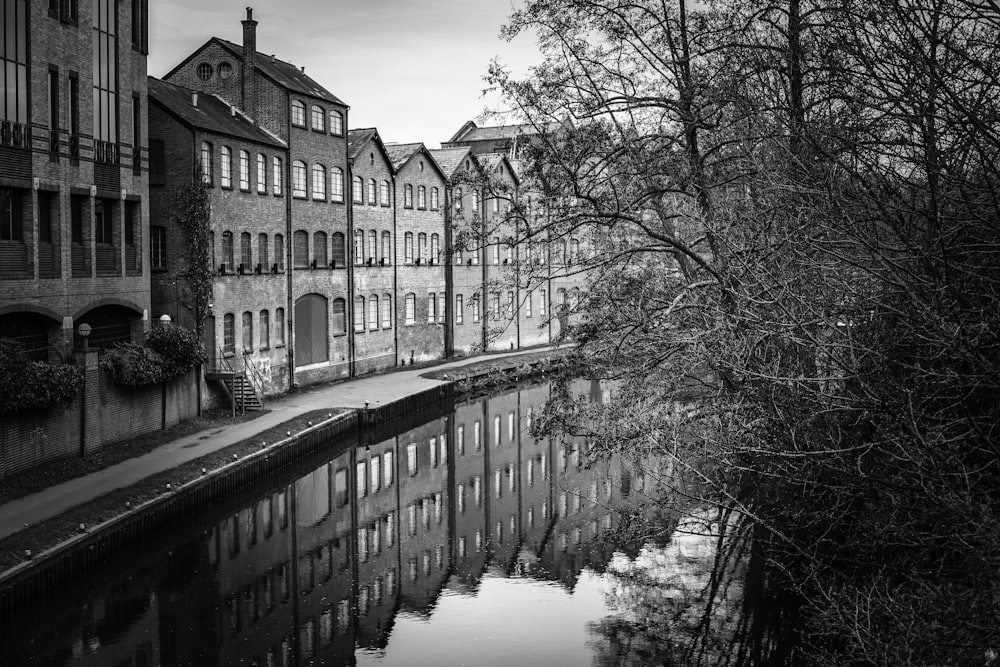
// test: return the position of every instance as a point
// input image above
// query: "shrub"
(180, 349)
(132, 365)
(34, 385)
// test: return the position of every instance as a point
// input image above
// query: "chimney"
(249, 90)
(194, 99)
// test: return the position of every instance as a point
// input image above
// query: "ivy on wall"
(34, 385)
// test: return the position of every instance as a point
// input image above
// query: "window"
(245, 171)
(14, 60)
(279, 251)
(359, 313)
(388, 473)
(431, 308)
(298, 113)
(357, 190)
(421, 197)
(279, 327)
(319, 249)
(476, 316)
(411, 459)
(247, 331)
(11, 215)
(475, 201)
(336, 123)
(410, 308)
(359, 247)
(372, 192)
(319, 182)
(386, 311)
(206, 162)
(262, 256)
(157, 246)
(494, 305)
(278, 176)
(408, 248)
(458, 199)
(496, 250)
(226, 159)
(542, 302)
(339, 316)
(53, 99)
(246, 253)
(299, 179)
(261, 173)
(434, 199)
(229, 333)
(337, 184)
(527, 306)
(384, 193)
(509, 306)
(318, 118)
(373, 246)
(459, 309)
(339, 257)
(300, 249)
(408, 196)
(386, 248)
(265, 330)
(422, 247)
(204, 71)
(435, 249)
(227, 249)
(508, 252)
(373, 312)
(574, 250)
(105, 60)
(496, 204)
(442, 315)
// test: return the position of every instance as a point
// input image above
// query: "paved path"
(376, 389)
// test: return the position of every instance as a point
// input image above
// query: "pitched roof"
(472, 132)
(400, 153)
(285, 73)
(492, 160)
(450, 159)
(358, 138)
(212, 113)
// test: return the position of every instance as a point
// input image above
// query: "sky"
(412, 68)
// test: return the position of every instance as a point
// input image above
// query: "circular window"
(225, 70)
(204, 71)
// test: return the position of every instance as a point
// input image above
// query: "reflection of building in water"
(317, 567)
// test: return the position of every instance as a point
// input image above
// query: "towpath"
(375, 389)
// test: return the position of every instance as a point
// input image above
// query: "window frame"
(298, 114)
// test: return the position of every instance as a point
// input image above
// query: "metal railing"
(254, 375)
(17, 135)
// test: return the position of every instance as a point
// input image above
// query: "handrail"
(255, 376)
(223, 362)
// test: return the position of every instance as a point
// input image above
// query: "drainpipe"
(395, 270)
(517, 279)
(289, 241)
(485, 301)
(349, 258)
(449, 279)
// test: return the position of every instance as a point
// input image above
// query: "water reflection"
(511, 542)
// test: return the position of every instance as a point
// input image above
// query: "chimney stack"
(249, 90)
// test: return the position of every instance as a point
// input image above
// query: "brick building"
(201, 135)
(73, 188)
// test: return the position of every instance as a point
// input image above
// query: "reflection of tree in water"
(702, 599)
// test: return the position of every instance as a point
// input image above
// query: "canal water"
(464, 540)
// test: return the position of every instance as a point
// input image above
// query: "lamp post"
(84, 331)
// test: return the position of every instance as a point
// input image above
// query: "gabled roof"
(491, 161)
(472, 132)
(283, 73)
(359, 138)
(400, 154)
(450, 159)
(212, 113)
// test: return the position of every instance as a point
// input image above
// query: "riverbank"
(43, 521)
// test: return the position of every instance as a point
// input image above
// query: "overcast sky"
(412, 68)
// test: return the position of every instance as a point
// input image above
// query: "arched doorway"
(311, 327)
(31, 331)
(109, 325)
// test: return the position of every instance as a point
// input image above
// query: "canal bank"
(371, 400)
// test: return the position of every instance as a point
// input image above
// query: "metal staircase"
(245, 385)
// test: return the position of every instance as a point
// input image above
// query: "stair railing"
(224, 364)
(255, 375)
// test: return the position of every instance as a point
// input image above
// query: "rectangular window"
(386, 311)
(265, 330)
(527, 306)
(73, 112)
(11, 215)
(54, 105)
(374, 469)
(373, 313)
(411, 459)
(157, 162)
(359, 313)
(279, 327)
(104, 221)
(136, 133)
(140, 26)
(105, 61)
(46, 201)
(431, 307)
(388, 470)
(442, 313)
(459, 309)
(411, 306)
(277, 177)
(261, 173)
(408, 248)
(541, 302)
(14, 61)
(476, 315)
(245, 171)
(361, 479)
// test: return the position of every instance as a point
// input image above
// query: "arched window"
(299, 179)
(359, 313)
(435, 249)
(300, 249)
(227, 250)
(229, 333)
(458, 199)
(247, 331)
(337, 184)
(386, 311)
(408, 196)
(561, 251)
(265, 330)
(431, 307)
(421, 197)
(261, 173)
(383, 194)
(318, 118)
(278, 177)
(357, 190)
(298, 113)
(496, 250)
(279, 327)
(206, 162)
(319, 182)
(434, 199)
(279, 251)
(339, 316)
(475, 201)
(245, 171)
(319, 249)
(410, 313)
(339, 257)
(311, 343)
(476, 313)
(373, 246)
(336, 123)
(373, 312)
(226, 159)
(262, 256)
(372, 193)
(422, 247)
(574, 250)
(246, 251)
(359, 246)
(408, 248)
(386, 248)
